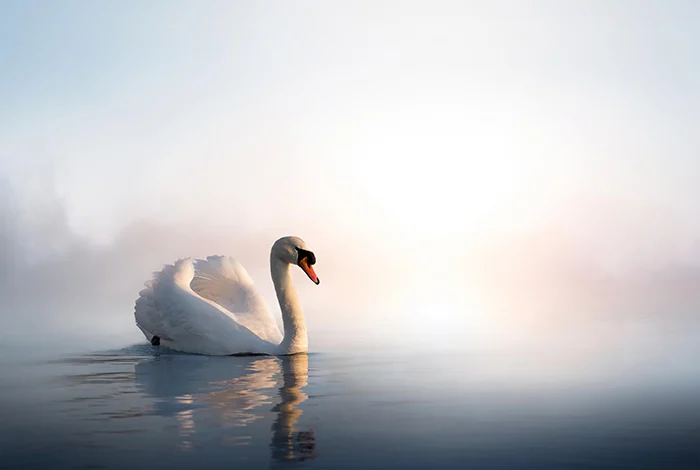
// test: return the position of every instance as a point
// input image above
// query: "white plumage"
(213, 307)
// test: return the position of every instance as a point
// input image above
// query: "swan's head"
(293, 250)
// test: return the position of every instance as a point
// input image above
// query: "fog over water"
(547, 289)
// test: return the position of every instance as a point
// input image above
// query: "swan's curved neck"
(295, 337)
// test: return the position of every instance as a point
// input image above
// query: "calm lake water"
(142, 407)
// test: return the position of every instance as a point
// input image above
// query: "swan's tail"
(147, 311)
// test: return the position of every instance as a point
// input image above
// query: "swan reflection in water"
(295, 377)
(233, 394)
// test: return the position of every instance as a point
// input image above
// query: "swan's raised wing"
(224, 281)
(169, 309)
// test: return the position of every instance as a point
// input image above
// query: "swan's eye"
(307, 255)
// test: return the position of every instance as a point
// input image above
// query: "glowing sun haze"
(467, 172)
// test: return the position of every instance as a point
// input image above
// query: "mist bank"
(566, 284)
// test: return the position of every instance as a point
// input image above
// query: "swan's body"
(213, 307)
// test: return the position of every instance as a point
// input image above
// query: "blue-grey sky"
(404, 139)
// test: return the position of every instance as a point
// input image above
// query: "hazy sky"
(462, 169)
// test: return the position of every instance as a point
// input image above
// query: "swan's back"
(207, 306)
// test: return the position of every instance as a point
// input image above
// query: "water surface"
(143, 407)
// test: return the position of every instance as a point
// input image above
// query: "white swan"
(213, 307)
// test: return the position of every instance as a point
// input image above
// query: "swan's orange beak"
(309, 270)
